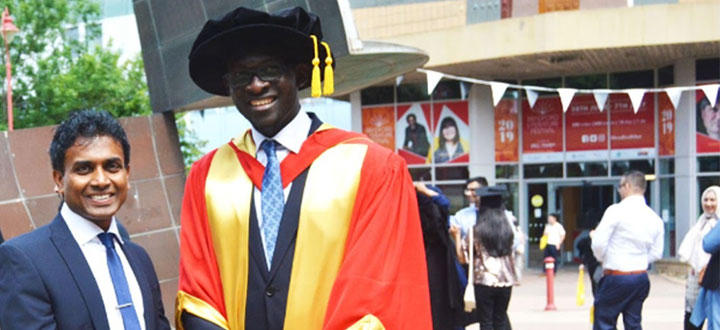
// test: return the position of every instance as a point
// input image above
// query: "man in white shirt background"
(628, 238)
(555, 236)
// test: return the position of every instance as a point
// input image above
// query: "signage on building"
(506, 131)
(413, 132)
(378, 123)
(451, 133)
(707, 127)
(542, 131)
(666, 130)
(586, 128)
(632, 135)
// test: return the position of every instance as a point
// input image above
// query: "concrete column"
(686, 195)
(482, 132)
(355, 112)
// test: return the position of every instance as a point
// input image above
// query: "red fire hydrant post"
(550, 275)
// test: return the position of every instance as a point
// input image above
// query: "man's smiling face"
(94, 181)
(269, 97)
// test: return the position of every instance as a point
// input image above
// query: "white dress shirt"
(85, 233)
(629, 237)
(289, 139)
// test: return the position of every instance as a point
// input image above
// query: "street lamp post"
(8, 30)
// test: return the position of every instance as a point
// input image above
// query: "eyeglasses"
(242, 78)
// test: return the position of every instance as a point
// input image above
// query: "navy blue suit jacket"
(45, 283)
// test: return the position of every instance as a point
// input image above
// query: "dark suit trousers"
(620, 294)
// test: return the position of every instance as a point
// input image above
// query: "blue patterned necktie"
(122, 291)
(273, 199)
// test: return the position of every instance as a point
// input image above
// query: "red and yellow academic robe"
(358, 260)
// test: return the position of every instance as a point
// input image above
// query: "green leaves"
(56, 72)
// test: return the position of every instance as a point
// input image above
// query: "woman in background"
(493, 264)
(691, 250)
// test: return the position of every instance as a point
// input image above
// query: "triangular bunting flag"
(711, 92)
(566, 96)
(636, 96)
(498, 90)
(399, 80)
(600, 99)
(532, 97)
(674, 94)
(433, 78)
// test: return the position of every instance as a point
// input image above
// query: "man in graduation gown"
(293, 224)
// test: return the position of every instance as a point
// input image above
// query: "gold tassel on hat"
(315, 84)
(329, 81)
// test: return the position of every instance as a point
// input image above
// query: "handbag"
(543, 242)
(469, 297)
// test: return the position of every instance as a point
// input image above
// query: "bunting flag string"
(566, 94)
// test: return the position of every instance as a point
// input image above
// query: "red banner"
(542, 126)
(378, 124)
(707, 124)
(629, 130)
(452, 132)
(666, 134)
(585, 125)
(506, 131)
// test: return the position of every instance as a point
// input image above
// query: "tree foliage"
(56, 72)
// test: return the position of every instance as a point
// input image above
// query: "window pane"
(709, 164)
(707, 69)
(666, 76)
(546, 82)
(667, 166)
(667, 212)
(376, 95)
(632, 79)
(420, 174)
(451, 173)
(449, 89)
(552, 170)
(412, 93)
(587, 169)
(647, 166)
(506, 171)
(587, 82)
(456, 194)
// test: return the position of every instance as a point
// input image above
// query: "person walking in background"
(628, 238)
(691, 250)
(493, 264)
(446, 298)
(78, 272)
(555, 234)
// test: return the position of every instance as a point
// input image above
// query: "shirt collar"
(634, 199)
(291, 136)
(84, 230)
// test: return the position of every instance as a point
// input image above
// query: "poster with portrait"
(413, 132)
(378, 123)
(542, 131)
(632, 135)
(666, 133)
(586, 135)
(707, 118)
(451, 133)
(506, 131)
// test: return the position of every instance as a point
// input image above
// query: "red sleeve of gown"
(384, 271)
(199, 274)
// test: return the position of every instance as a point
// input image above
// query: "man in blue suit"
(78, 272)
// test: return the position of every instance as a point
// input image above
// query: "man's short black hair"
(85, 123)
(479, 179)
(411, 115)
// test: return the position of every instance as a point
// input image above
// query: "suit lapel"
(257, 251)
(143, 283)
(77, 265)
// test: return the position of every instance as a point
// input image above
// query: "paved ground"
(663, 310)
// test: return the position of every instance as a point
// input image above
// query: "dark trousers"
(552, 251)
(620, 294)
(492, 304)
(689, 325)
